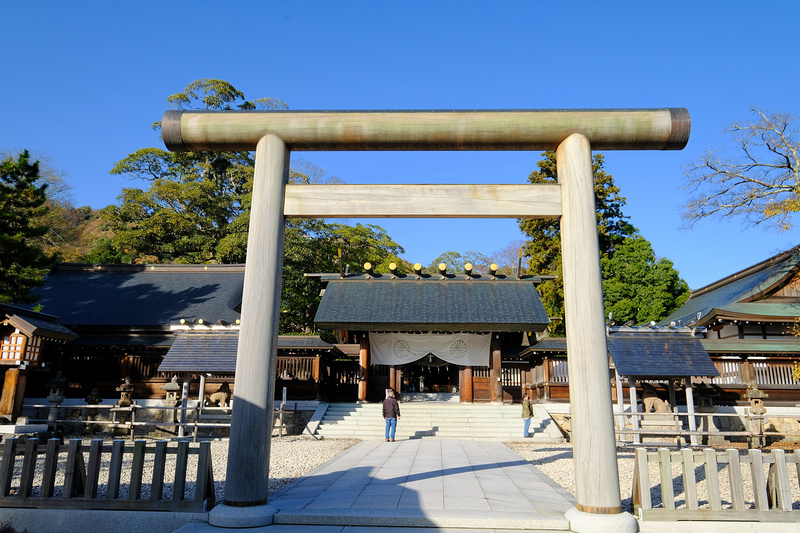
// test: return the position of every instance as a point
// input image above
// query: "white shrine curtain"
(468, 349)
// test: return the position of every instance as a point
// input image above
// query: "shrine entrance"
(572, 133)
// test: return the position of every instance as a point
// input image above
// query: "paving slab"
(439, 485)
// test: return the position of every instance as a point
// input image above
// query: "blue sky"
(84, 80)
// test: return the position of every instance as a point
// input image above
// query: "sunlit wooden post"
(594, 445)
(246, 483)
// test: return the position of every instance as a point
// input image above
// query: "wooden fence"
(68, 476)
(731, 485)
(761, 373)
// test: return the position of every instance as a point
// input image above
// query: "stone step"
(434, 420)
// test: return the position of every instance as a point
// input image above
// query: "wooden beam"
(605, 129)
(423, 201)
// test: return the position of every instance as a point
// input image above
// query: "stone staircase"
(443, 420)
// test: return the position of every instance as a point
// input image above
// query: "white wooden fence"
(726, 485)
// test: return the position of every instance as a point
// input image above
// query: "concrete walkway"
(446, 485)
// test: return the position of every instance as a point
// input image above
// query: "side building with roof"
(746, 324)
(153, 322)
(751, 323)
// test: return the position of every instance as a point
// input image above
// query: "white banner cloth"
(468, 349)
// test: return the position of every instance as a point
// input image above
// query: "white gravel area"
(289, 458)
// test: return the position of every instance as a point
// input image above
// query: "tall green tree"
(638, 287)
(197, 210)
(544, 246)
(23, 263)
(191, 209)
(71, 231)
(455, 261)
(312, 245)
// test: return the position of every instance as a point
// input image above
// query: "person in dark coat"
(391, 412)
(527, 414)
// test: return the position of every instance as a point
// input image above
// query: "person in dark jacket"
(391, 412)
(527, 414)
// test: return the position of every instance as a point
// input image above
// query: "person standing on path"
(391, 412)
(527, 414)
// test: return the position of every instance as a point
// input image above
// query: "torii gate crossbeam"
(573, 134)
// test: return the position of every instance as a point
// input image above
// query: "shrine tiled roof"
(215, 351)
(647, 352)
(141, 295)
(742, 288)
(444, 305)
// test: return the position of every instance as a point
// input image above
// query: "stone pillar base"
(227, 516)
(581, 522)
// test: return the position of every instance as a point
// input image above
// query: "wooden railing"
(58, 476)
(745, 493)
(761, 373)
(512, 376)
(297, 367)
(197, 418)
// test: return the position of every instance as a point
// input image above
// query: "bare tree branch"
(758, 180)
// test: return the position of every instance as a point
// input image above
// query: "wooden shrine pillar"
(393, 378)
(594, 443)
(495, 371)
(13, 395)
(363, 367)
(635, 425)
(687, 383)
(465, 392)
(620, 399)
(246, 484)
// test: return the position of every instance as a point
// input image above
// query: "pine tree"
(23, 263)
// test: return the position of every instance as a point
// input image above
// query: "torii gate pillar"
(593, 442)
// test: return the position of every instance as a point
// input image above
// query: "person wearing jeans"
(527, 414)
(391, 412)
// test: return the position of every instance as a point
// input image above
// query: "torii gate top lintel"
(606, 129)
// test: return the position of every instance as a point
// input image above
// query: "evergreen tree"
(197, 210)
(544, 246)
(636, 286)
(23, 263)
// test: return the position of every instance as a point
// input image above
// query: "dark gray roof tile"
(446, 305)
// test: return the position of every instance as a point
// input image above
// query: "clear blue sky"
(83, 81)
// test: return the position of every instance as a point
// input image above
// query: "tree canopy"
(455, 261)
(638, 287)
(756, 178)
(197, 210)
(544, 246)
(23, 263)
(635, 264)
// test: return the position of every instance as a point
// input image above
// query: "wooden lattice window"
(13, 346)
(34, 349)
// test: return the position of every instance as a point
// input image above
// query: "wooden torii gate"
(572, 133)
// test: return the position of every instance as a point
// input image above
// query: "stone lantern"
(125, 390)
(56, 396)
(173, 399)
(757, 409)
(92, 400)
